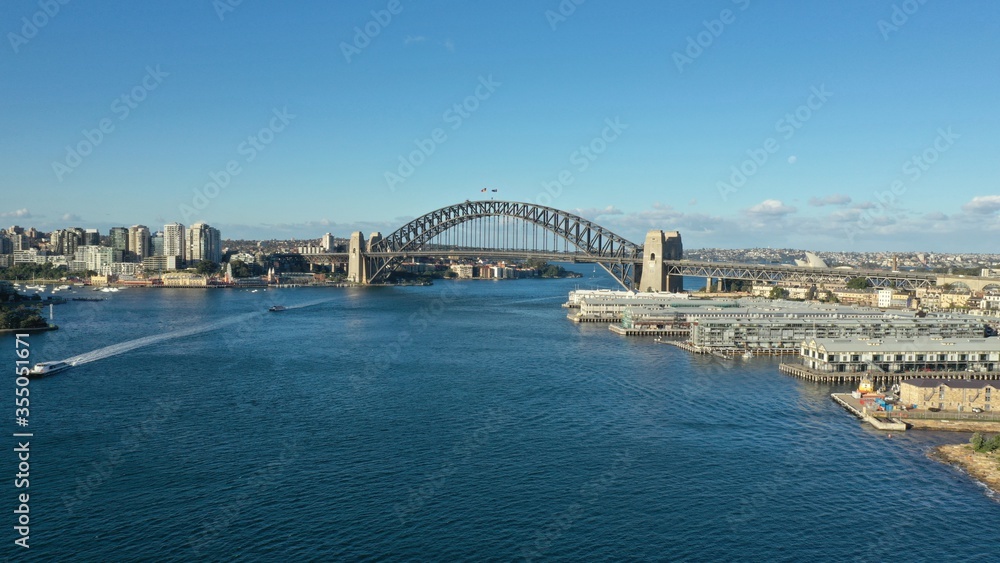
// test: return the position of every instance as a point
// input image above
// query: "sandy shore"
(984, 467)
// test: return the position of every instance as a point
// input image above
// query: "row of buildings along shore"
(759, 325)
(949, 360)
(124, 251)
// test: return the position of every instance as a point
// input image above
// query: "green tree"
(858, 283)
(240, 269)
(993, 444)
(778, 293)
(207, 267)
(21, 317)
(536, 264)
(552, 271)
(977, 442)
(811, 293)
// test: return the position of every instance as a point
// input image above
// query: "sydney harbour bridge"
(519, 231)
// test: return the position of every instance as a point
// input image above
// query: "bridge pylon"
(660, 246)
(360, 265)
(357, 272)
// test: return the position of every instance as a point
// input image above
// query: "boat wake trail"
(535, 299)
(122, 347)
(308, 304)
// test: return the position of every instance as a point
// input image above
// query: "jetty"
(855, 407)
(881, 377)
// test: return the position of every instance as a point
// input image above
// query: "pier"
(802, 372)
(855, 407)
(636, 331)
(576, 318)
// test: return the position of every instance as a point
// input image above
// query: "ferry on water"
(276, 308)
(42, 369)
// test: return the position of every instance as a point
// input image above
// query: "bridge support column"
(660, 246)
(356, 262)
(721, 286)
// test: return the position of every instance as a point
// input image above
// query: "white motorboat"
(42, 369)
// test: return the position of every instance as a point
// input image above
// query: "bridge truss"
(774, 273)
(507, 227)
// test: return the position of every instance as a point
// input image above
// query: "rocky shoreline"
(984, 467)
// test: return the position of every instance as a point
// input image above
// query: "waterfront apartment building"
(139, 243)
(156, 243)
(122, 269)
(203, 243)
(118, 240)
(159, 263)
(950, 394)
(92, 257)
(895, 355)
(21, 241)
(464, 271)
(66, 241)
(91, 237)
(785, 334)
(174, 241)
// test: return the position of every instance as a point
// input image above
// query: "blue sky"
(838, 103)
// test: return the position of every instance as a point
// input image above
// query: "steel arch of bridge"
(619, 256)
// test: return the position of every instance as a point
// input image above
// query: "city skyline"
(719, 121)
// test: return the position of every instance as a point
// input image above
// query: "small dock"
(581, 319)
(619, 329)
(855, 407)
(688, 347)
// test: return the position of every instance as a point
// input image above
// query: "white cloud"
(835, 199)
(771, 208)
(70, 217)
(594, 212)
(983, 204)
(22, 213)
(409, 39)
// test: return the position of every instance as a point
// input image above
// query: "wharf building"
(783, 335)
(975, 358)
(657, 309)
(950, 394)
(611, 306)
(577, 296)
(183, 279)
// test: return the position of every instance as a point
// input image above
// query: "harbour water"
(460, 421)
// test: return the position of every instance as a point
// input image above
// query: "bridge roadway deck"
(719, 270)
